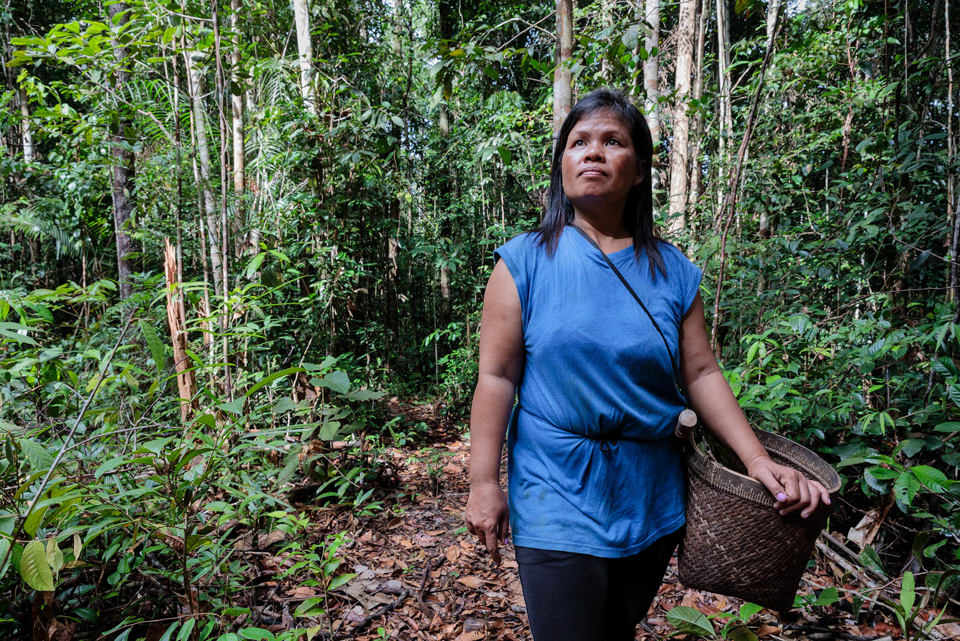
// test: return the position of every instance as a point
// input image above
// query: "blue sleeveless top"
(593, 466)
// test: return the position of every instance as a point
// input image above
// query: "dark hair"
(638, 211)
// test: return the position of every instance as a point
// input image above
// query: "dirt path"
(420, 575)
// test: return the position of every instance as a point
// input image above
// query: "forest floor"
(421, 575)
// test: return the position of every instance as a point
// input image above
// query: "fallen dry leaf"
(301, 592)
(471, 581)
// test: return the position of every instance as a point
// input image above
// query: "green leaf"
(883, 473)
(33, 522)
(950, 427)
(54, 556)
(870, 559)
(741, 633)
(236, 407)
(37, 454)
(337, 380)
(254, 265)
(5, 544)
(168, 633)
(186, 629)
(155, 344)
(748, 609)
(340, 580)
(272, 377)
(930, 477)
(905, 488)
(87, 614)
(310, 608)
(109, 465)
(907, 592)
(828, 596)
(34, 567)
(257, 634)
(691, 621)
(17, 332)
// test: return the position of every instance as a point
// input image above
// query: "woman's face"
(599, 163)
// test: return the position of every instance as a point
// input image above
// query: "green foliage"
(358, 252)
(689, 620)
(93, 454)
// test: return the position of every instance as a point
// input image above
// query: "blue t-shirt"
(593, 466)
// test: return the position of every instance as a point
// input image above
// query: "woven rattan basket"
(735, 542)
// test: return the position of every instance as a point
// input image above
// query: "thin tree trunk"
(773, 16)
(301, 15)
(730, 205)
(202, 167)
(651, 84)
(176, 322)
(696, 127)
(26, 133)
(952, 293)
(679, 151)
(723, 100)
(562, 79)
(221, 103)
(773, 19)
(122, 170)
(236, 103)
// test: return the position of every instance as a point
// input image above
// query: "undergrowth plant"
(106, 491)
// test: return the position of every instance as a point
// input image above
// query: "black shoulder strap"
(673, 363)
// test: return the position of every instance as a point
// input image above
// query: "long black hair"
(638, 211)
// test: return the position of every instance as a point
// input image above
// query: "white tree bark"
(26, 133)
(651, 81)
(301, 15)
(236, 129)
(679, 152)
(202, 168)
(562, 79)
(723, 99)
(773, 11)
(696, 125)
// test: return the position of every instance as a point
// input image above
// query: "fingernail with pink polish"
(781, 496)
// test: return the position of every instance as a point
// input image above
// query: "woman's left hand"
(792, 490)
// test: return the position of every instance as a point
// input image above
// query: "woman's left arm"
(712, 399)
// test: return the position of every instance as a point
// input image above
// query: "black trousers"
(578, 597)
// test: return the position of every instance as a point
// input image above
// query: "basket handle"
(686, 423)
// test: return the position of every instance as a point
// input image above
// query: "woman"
(595, 476)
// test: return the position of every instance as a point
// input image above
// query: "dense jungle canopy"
(284, 213)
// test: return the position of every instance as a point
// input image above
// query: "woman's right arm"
(501, 365)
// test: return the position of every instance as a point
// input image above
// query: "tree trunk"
(651, 83)
(301, 15)
(679, 152)
(122, 170)
(696, 126)
(202, 167)
(236, 104)
(562, 79)
(773, 15)
(951, 179)
(26, 133)
(730, 204)
(723, 101)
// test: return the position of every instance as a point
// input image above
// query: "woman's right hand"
(488, 517)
